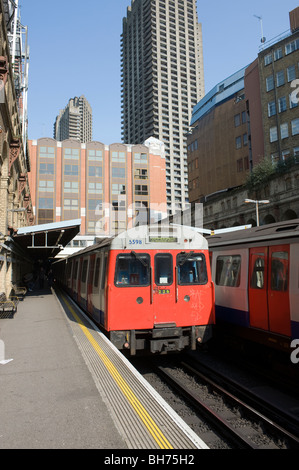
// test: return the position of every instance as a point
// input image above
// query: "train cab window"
(228, 270)
(163, 269)
(84, 271)
(279, 271)
(132, 270)
(191, 269)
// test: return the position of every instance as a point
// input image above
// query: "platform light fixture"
(263, 201)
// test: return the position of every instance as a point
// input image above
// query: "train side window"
(191, 269)
(69, 270)
(104, 272)
(257, 280)
(84, 271)
(228, 270)
(97, 272)
(132, 270)
(279, 271)
(75, 271)
(163, 269)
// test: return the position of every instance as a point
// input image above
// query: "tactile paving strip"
(143, 418)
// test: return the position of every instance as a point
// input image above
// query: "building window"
(95, 171)
(291, 73)
(45, 203)
(268, 59)
(118, 189)
(245, 139)
(270, 83)
(140, 158)
(71, 187)
(238, 142)
(246, 163)
(141, 189)
(292, 46)
(46, 152)
(271, 108)
(278, 53)
(140, 174)
(95, 155)
(240, 165)
(273, 134)
(71, 170)
(94, 204)
(71, 154)
(237, 120)
(46, 186)
(293, 101)
(118, 172)
(70, 204)
(46, 168)
(282, 104)
(118, 157)
(285, 154)
(94, 188)
(284, 130)
(280, 78)
(295, 126)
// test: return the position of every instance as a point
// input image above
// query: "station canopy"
(45, 241)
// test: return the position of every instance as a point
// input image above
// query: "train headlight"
(139, 300)
(187, 298)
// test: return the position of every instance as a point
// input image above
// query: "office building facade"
(108, 187)
(249, 116)
(74, 121)
(162, 79)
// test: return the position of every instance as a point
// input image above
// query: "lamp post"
(263, 201)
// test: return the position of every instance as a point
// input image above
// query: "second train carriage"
(256, 278)
(149, 288)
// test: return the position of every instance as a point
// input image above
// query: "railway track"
(241, 424)
(224, 413)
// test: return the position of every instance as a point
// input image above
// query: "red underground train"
(149, 288)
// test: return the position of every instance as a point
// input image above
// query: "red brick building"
(105, 186)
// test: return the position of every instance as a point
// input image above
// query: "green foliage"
(266, 169)
(260, 174)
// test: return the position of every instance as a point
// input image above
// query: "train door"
(269, 289)
(101, 286)
(258, 288)
(164, 289)
(90, 283)
(278, 290)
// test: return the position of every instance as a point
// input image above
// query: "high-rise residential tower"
(162, 79)
(74, 121)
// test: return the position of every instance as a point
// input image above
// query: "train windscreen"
(192, 268)
(132, 270)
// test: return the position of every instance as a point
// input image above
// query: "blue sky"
(75, 50)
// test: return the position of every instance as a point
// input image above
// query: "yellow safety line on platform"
(151, 426)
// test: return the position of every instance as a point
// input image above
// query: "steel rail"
(290, 437)
(218, 421)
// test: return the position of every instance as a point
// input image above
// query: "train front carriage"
(159, 292)
(149, 288)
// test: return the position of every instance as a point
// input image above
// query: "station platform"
(64, 386)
